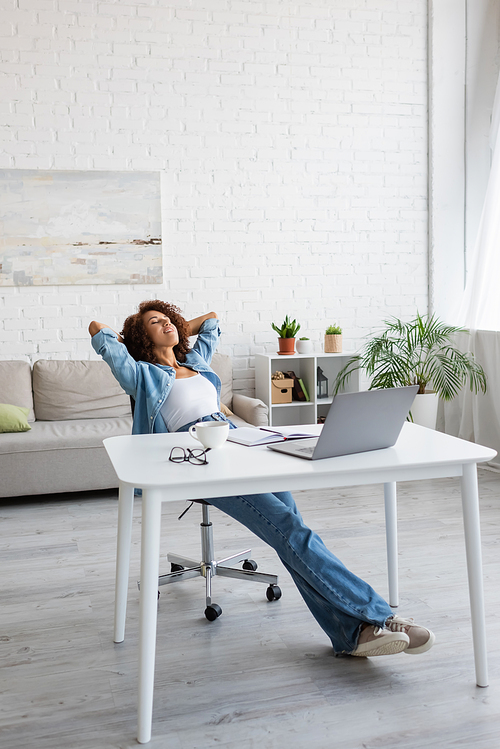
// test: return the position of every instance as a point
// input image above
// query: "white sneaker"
(421, 638)
(377, 641)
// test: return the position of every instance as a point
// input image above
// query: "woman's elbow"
(94, 328)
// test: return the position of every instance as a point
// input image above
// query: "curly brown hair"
(139, 344)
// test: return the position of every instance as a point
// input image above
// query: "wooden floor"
(263, 675)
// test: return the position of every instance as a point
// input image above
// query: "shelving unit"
(305, 367)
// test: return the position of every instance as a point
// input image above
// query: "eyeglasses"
(195, 457)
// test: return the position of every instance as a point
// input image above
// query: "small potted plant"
(304, 346)
(333, 339)
(286, 335)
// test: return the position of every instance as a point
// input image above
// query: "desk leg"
(472, 530)
(148, 609)
(391, 534)
(124, 540)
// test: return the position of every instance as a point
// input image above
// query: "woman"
(174, 387)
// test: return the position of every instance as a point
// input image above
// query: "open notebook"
(252, 436)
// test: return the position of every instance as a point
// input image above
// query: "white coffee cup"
(211, 434)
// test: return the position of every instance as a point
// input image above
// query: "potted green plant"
(333, 339)
(419, 352)
(286, 335)
(304, 345)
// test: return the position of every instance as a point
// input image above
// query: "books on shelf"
(304, 390)
(251, 436)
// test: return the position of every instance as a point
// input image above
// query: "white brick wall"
(292, 138)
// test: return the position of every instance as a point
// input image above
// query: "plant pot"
(424, 409)
(333, 344)
(286, 346)
(304, 347)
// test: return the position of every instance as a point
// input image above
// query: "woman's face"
(159, 328)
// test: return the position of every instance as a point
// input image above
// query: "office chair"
(182, 568)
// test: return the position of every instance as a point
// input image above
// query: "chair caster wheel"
(212, 612)
(176, 567)
(273, 593)
(249, 564)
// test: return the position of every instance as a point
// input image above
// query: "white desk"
(142, 461)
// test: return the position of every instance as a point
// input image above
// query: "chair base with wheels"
(183, 568)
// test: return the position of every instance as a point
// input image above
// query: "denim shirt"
(151, 384)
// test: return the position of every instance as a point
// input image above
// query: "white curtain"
(479, 308)
(477, 417)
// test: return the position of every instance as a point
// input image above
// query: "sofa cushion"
(13, 418)
(237, 421)
(226, 411)
(15, 385)
(65, 390)
(46, 436)
(223, 366)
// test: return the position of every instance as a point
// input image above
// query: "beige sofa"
(73, 406)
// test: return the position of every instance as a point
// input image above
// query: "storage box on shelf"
(305, 367)
(281, 390)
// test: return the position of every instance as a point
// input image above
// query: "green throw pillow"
(13, 418)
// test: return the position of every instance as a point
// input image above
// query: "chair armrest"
(252, 410)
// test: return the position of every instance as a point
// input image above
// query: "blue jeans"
(339, 600)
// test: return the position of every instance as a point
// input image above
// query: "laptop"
(356, 423)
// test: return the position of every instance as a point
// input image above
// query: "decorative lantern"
(322, 384)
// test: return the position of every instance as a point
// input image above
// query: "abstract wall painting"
(75, 228)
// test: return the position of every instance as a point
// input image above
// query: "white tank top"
(190, 399)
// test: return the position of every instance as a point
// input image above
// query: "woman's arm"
(197, 322)
(111, 347)
(95, 327)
